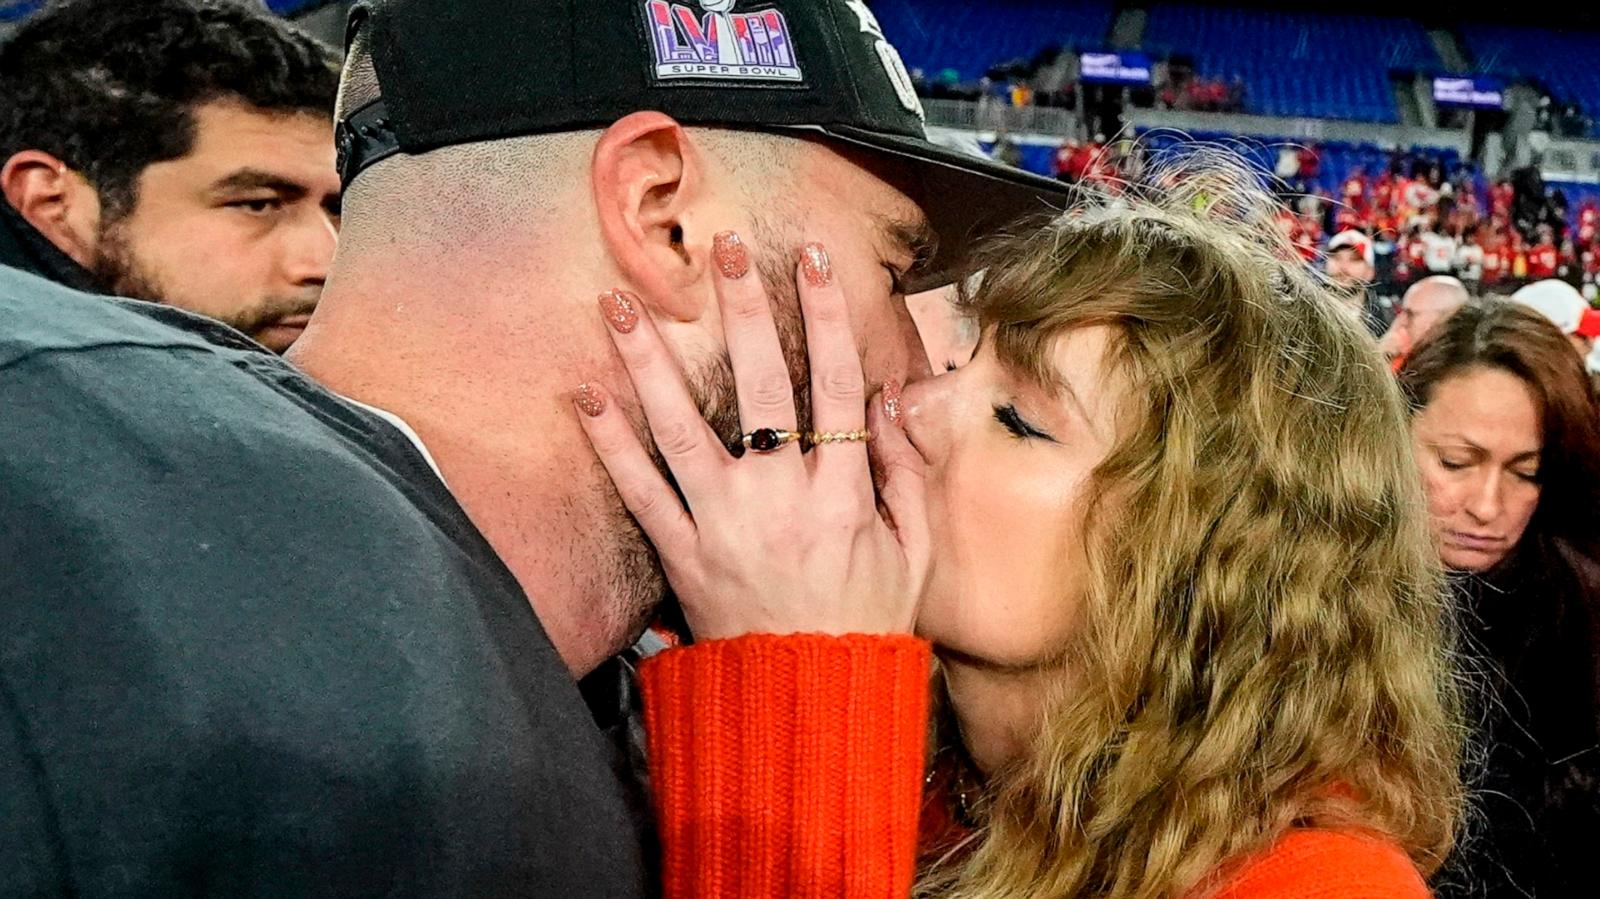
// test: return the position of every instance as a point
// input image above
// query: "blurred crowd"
(1495, 235)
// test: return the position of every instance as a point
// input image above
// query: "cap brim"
(966, 198)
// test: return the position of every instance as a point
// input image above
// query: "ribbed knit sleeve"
(788, 766)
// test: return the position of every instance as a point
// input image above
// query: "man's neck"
(506, 443)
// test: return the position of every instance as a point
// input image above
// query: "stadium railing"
(998, 116)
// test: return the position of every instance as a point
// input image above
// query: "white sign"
(1112, 67)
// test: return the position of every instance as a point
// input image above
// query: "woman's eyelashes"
(1008, 417)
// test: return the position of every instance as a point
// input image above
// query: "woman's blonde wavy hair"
(1265, 641)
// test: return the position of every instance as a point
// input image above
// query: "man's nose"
(311, 248)
(916, 364)
(891, 350)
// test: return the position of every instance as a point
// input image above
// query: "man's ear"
(647, 178)
(57, 201)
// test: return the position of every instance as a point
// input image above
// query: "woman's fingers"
(644, 491)
(900, 470)
(838, 388)
(766, 395)
(692, 451)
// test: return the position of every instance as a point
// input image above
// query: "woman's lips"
(1474, 541)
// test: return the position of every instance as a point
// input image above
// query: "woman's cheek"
(1440, 489)
(1026, 564)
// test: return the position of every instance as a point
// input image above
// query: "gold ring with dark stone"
(768, 440)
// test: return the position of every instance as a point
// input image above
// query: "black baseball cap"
(462, 71)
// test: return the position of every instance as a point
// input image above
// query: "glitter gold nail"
(731, 257)
(815, 264)
(621, 310)
(589, 400)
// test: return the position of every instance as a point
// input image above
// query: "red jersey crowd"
(1424, 223)
(1437, 226)
(1091, 160)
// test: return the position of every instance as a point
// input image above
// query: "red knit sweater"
(792, 767)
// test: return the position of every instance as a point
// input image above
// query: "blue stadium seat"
(934, 35)
(17, 10)
(1293, 63)
(1576, 193)
(1564, 61)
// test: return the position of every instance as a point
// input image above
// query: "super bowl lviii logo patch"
(707, 39)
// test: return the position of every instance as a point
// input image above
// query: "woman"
(1507, 440)
(1163, 531)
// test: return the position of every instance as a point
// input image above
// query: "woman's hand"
(771, 542)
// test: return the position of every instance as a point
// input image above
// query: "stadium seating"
(1338, 159)
(1563, 61)
(17, 10)
(935, 35)
(1296, 64)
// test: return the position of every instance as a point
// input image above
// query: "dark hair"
(110, 86)
(1512, 338)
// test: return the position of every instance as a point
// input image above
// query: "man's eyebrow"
(255, 179)
(916, 238)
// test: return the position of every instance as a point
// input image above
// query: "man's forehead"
(236, 144)
(225, 119)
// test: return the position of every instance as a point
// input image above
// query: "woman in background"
(1506, 436)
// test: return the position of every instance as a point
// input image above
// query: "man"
(1496, 257)
(1470, 259)
(1439, 251)
(1588, 222)
(263, 640)
(1561, 303)
(1354, 192)
(1351, 264)
(1544, 258)
(179, 151)
(1065, 166)
(1428, 302)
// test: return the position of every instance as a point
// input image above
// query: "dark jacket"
(22, 247)
(1534, 624)
(251, 646)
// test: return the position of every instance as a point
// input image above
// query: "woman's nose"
(925, 411)
(1484, 503)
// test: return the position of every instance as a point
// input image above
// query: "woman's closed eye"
(1006, 414)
